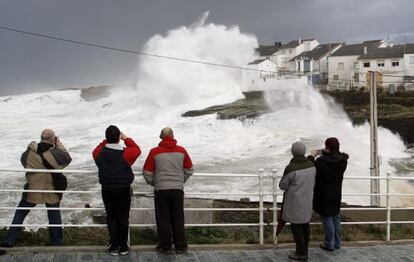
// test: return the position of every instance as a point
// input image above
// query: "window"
(335, 77)
(356, 65)
(367, 64)
(411, 59)
(380, 63)
(395, 63)
(340, 66)
(290, 51)
(283, 52)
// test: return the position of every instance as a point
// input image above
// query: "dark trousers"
(169, 215)
(55, 233)
(117, 201)
(301, 236)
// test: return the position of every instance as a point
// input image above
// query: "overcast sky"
(31, 64)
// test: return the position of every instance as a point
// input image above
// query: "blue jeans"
(332, 227)
(55, 233)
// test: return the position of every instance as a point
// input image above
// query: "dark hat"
(332, 143)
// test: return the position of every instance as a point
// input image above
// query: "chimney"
(278, 44)
(300, 40)
(329, 46)
(365, 50)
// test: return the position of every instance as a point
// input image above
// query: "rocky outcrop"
(395, 113)
(249, 107)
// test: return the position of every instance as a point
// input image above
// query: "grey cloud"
(29, 64)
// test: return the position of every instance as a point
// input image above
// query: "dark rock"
(94, 93)
(252, 106)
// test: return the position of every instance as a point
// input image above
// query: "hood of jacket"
(168, 142)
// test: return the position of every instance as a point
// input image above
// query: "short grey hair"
(48, 136)
(167, 131)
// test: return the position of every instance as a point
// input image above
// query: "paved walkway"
(389, 253)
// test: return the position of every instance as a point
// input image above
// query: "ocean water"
(160, 91)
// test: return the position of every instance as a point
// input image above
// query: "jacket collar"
(114, 146)
(298, 159)
(168, 142)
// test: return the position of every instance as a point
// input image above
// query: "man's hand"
(123, 136)
(316, 152)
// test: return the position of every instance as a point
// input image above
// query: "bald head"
(48, 136)
(167, 131)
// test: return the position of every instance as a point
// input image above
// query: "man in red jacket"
(115, 175)
(167, 168)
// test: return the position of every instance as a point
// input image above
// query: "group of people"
(166, 168)
(313, 182)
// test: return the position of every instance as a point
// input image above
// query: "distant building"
(409, 66)
(263, 69)
(269, 51)
(344, 66)
(293, 48)
(314, 63)
(388, 61)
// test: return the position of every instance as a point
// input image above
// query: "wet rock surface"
(249, 107)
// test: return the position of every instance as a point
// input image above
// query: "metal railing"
(261, 194)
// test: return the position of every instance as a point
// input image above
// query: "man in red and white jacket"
(115, 175)
(167, 168)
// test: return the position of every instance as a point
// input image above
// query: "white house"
(293, 48)
(409, 60)
(314, 63)
(409, 66)
(269, 51)
(263, 69)
(388, 61)
(343, 64)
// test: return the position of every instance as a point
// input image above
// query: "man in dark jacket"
(167, 168)
(115, 175)
(298, 181)
(330, 168)
(50, 153)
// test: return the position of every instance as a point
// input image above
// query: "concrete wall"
(274, 83)
(408, 67)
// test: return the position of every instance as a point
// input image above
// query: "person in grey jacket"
(167, 168)
(298, 181)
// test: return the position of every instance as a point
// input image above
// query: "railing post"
(274, 176)
(261, 223)
(388, 208)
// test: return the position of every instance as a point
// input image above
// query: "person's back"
(330, 168)
(171, 165)
(115, 175)
(167, 168)
(298, 181)
(49, 153)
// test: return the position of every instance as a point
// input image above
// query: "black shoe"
(2, 252)
(6, 244)
(181, 250)
(113, 250)
(162, 249)
(123, 251)
(326, 248)
(294, 256)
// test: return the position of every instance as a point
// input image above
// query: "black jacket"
(327, 195)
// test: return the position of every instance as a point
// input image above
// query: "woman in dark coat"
(330, 168)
